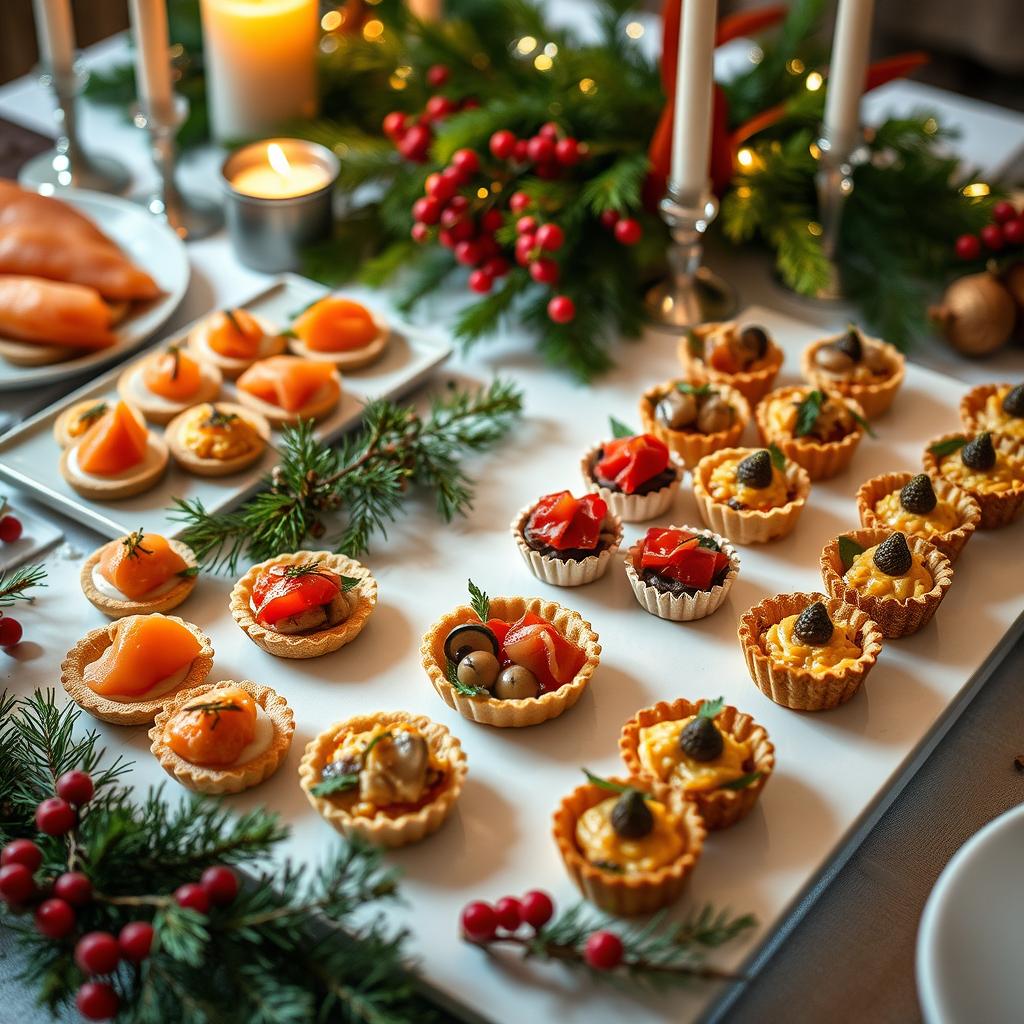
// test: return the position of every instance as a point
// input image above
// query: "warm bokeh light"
(814, 81)
(634, 30)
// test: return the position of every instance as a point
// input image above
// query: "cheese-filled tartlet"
(305, 604)
(898, 580)
(340, 331)
(224, 737)
(629, 845)
(234, 339)
(750, 495)
(138, 574)
(997, 408)
(286, 389)
(713, 753)
(118, 456)
(390, 777)
(217, 438)
(868, 370)
(989, 467)
(807, 651)
(126, 672)
(740, 355)
(163, 384)
(76, 419)
(818, 430)
(920, 506)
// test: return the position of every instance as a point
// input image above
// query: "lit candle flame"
(277, 160)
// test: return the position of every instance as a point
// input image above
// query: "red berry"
(466, 160)
(992, 236)
(55, 816)
(76, 787)
(458, 203)
(496, 266)
(526, 225)
(537, 908)
(525, 245)
(491, 220)
(462, 230)
(192, 896)
(561, 309)
(419, 233)
(135, 940)
(471, 104)
(522, 151)
(628, 231)
(437, 75)
(22, 851)
(444, 236)
(488, 247)
(16, 885)
(468, 253)
(480, 281)
(455, 176)
(540, 149)
(609, 218)
(502, 144)
(968, 247)
(544, 271)
(96, 1000)
(415, 143)
(394, 124)
(73, 886)
(548, 171)
(550, 237)
(426, 209)
(603, 951)
(479, 922)
(548, 130)
(221, 885)
(1003, 212)
(438, 108)
(1013, 231)
(450, 217)
(439, 188)
(10, 529)
(97, 953)
(518, 201)
(10, 631)
(567, 152)
(55, 918)
(509, 913)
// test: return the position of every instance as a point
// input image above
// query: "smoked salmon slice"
(535, 644)
(54, 313)
(115, 442)
(173, 375)
(288, 382)
(20, 206)
(336, 325)
(140, 563)
(213, 728)
(235, 334)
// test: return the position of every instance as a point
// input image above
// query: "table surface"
(880, 892)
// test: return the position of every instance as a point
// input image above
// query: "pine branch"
(14, 585)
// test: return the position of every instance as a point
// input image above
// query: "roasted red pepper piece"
(630, 462)
(535, 644)
(278, 594)
(679, 555)
(565, 522)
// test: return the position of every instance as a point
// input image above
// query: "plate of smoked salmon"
(83, 279)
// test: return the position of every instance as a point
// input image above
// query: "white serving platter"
(155, 248)
(29, 455)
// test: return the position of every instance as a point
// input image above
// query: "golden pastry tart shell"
(973, 404)
(799, 688)
(682, 607)
(753, 385)
(140, 712)
(719, 808)
(230, 367)
(118, 608)
(305, 645)
(312, 410)
(643, 892)
(895, 617)
(348, 359)
(748, 526)
(231, 778)
(874, 398)
(192, 463)
(997, 509)
(821, 460)
(512, 714)
(209, 388)
(382, 830)
(951, 542)
(61, 426)
(567, 572)
(113, 488)
(691, 445)
(633, 508)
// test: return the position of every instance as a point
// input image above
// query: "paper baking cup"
(950, 543)
(895, 617)
(691, 445)
(997, 509)
(567, 572)
(748, 526)
(682, 607)
(875, 398)
(796, 687)
(512, 714)
(633, 508)
(753, 385)
(621, 894)
(719, 808)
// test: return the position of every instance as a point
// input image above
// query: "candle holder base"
(677, 307)
(189, 219)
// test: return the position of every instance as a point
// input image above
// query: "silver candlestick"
(68, 164)
(189, 218)
(690, 294)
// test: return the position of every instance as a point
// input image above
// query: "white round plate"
(969, 965)
(155, 248)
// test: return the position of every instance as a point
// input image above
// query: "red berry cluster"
(10, 531)
(549, 150)
(1005, 231)
(412, 134)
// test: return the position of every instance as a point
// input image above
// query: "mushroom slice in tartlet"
(341, 332)
(166, 383)
(743, 356)
(286, 389)
(217, 438)
(223, 738)
(138, 574)
(234, 339)
(75, 420)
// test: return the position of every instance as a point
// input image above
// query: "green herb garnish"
(778, 458)
(215, 708)
(335, 784)
(948, 446)
(619, 429)
(742, 782)
(808, 411)
(612, 787)
(697, 390)
(704, 541)
(711, 708)
(94, 412)
(133, 544)
(452, 675)
(849, 549)
(479, 602)
(190, 572)
(862, 423)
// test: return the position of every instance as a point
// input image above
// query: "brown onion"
(976, 315)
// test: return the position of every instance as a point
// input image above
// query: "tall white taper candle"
(56, 33)
(847, 68)
(691, 128)
(152, 56)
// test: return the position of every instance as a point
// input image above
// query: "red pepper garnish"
(281, 592)
(679, 555)
(535, 644)
(629, 462)
(564, 522)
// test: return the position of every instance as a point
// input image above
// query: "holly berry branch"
(15, 586)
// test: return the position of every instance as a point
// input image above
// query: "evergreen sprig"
(16, 584)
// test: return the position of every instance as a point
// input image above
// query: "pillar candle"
(261, 64)
(56, 33)
(152, 56)
(691, 128)
(846, 73)
(426, 10)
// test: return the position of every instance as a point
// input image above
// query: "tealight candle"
(279, 177)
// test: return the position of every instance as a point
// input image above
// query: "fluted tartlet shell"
(753, 385)
(633, 508)
(874, 398)
(566, 572)
(118, 608)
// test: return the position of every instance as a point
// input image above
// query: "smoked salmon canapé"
(223, 738)
(304, 604)
(126, 672)
(510, 661)
(234, 339)
(389, 777)
(287, 389)
(341, 332)
(116, 457)
(217, 438)
(168, 382)
(76, 419)
(138, 574)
